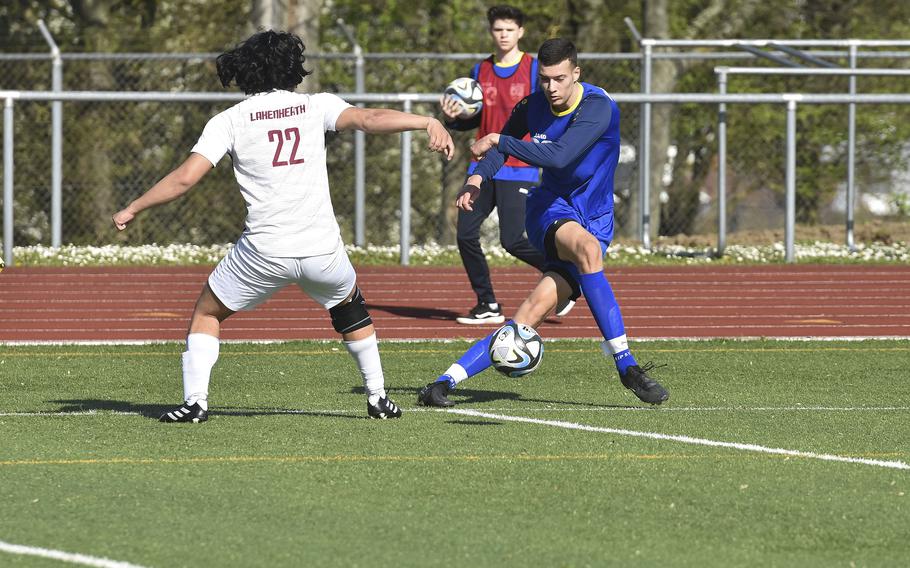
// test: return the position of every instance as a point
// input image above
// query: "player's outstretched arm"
(486, 148)
(386, 120)
(168, 189)
(491, 159)
(590, 122)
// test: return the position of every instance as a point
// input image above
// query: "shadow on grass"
(436, 314)
(154, 411)
(471, 396)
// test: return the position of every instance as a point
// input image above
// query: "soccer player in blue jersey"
(574, 128)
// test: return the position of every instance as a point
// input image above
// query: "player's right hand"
(481, 146)
(440, 139)
(450, 107)
(122, 218)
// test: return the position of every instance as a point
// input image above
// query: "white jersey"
(277, 143)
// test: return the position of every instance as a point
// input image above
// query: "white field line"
(278, 411)
(685, 439)
(70, 557)
(63, 414)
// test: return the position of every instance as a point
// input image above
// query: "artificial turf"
(289, 472)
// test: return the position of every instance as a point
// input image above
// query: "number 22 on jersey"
(279, 136)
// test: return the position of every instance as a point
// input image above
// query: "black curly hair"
(556, 50)
(266, 60)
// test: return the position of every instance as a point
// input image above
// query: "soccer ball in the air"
(516, 349)
(468, 93)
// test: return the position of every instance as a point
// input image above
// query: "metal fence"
(650, 51)
(215, 207)
(364, 194)
(114, 148)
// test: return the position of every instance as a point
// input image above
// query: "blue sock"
(606, 313)
(623, 360)
(474, 361)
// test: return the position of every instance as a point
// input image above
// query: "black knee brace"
(350, 316)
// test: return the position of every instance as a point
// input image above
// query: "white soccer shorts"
(245, 278)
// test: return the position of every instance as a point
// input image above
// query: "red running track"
(147, 304)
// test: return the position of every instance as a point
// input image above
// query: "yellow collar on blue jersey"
(580, 90)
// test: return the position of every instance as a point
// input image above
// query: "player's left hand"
(440, 139)
(122, 218)
(466, 197)
(480, 146)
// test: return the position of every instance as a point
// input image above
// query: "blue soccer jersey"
(578, 150)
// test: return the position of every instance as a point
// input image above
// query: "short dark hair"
(266, 60)
(556, 50)
(506, 13)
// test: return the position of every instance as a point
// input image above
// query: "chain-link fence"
(756, 152)
(115, 150)
(112, 151)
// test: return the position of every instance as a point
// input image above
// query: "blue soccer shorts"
(543, 209)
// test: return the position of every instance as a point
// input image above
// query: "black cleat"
(384, 408)
(648, 390)
(435, 394)
(482, 313)
(186, 413)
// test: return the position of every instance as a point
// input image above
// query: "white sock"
(198, 359)
(366, 354)
(616, 345)
(457, 373)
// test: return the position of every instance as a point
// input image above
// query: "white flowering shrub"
(117, 255)
(438, 255)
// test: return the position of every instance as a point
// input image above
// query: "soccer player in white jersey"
(276, 142)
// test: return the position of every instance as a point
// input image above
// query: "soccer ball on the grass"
(469, 95)
(516, 350)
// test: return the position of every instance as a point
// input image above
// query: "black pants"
(506, 197)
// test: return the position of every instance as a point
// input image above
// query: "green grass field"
(289, 472)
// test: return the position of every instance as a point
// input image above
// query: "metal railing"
(406, 100)
(647, 47)
(724, 72)
(650, 50)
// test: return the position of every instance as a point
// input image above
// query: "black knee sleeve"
(549, 239)
(350, 316)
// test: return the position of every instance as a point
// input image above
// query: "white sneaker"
(482, 313)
